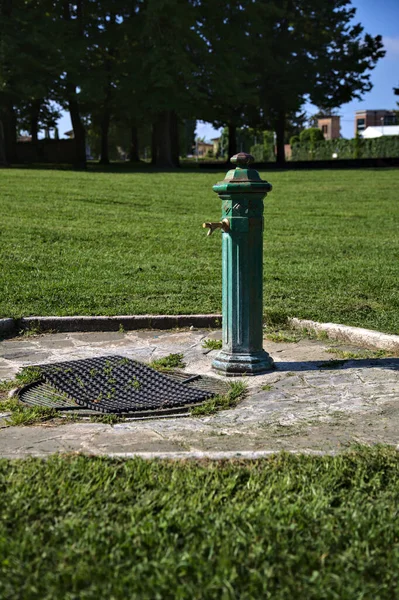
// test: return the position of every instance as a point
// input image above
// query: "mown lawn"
(288, 527)
(129, 243)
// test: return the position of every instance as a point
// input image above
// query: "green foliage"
(21, 414)
(168, 363)
(237, 391)
(106, 419)
(263, 152)
(212, 344)
(314, 527)
(283, 337)
(295, 139)
(362, 354)
(311, 135)
(25, 376)
(116, 65)
(383, 147)
(24, 415)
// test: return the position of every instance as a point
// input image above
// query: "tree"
(107, 31)
(73, 21)
(171, 58)
(29, 63)
(312, 135)
(317, 54)
(35, 115)
(228, 82)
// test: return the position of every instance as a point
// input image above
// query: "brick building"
(373, 118)
(330, 126)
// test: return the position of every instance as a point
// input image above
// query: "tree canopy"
(157, 64)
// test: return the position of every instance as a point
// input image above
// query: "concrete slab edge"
(115, 323)
(357, 336)
(7, 327)
(213, 455)
(188, 455)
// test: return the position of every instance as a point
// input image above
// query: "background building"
(330, 126)
(373, 118)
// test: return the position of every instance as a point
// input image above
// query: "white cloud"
(391, 45)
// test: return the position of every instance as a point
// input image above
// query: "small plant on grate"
(168, 363)
(123, 361)
(79, 381)
(107, 370)
(212, 344)
(133, 383)
(238, 390)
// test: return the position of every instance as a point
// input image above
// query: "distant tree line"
(150, 66)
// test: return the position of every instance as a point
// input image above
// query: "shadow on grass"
(128, 168)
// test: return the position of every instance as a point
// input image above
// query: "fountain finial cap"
(243, 178)
(242, 159)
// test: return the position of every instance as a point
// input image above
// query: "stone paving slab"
(304, 406)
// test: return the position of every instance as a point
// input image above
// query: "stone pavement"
(304, 405)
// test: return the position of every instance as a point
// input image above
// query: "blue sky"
(377, 17)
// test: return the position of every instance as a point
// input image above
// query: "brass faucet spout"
(224, 225)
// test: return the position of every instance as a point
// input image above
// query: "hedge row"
(383, 147)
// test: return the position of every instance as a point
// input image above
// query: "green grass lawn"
(129, 243)
(314, 528)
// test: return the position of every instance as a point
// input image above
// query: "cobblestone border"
(357, 336)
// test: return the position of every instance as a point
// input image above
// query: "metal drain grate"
(44, 394)
(114, 384)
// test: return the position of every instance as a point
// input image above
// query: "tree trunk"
(164, 157)
(73, 104)
(78, 128)
(3, 159)
(104, 125)
(34, 119)
(9, 120)
(154, 147)
(280, 133)
(232, 141)
(134, 155)
(174, 138)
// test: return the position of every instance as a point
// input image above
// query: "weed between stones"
(212, 344)
(168, 363)
(27, 375)
(237, 391)
(348, 355)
